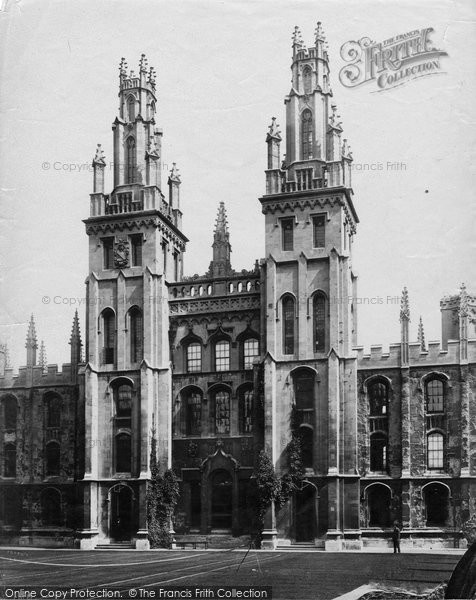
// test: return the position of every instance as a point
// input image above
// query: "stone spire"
(421, 335)
(220, 265)
(31, 344)
(405, 322)
(42, 361)
(75, 341)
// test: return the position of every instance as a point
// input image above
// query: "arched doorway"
(437, 499)
(305, 513)
(121, 507)
(222, 499)
(378, 504)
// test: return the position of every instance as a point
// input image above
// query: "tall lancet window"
(288, 325)
(319, 310)
(130, 160)
(307, 134)
(307, 80)
(131, 109)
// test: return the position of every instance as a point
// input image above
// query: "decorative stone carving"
(121, 253)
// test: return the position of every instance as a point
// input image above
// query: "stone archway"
(121, 513)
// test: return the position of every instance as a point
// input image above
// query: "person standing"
(396, 535)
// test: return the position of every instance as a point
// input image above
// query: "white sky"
(222, 72)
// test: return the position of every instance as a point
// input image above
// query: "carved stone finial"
(274, 131)
(143, 66)
(174, 174)
(123, 68)
(405, 306)
(297, 38)
(319, 33)
(42, 361)
(421, 335)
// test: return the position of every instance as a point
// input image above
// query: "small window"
(222, 412)
(250, 352)
(165, 251)
(435, 451)
(378, 452)
(52, 459)
(319, 231)
(378, 399)
(288, 325)
(194, 357)
(136, 253)
(434, 396)
(222, 356)
(287, 227)
(108, 253)
(123, 453)
(10, 458)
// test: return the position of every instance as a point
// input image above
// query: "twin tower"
(297, 307)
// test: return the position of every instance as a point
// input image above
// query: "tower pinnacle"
(42, 360)
(421, 335)
(75, 341)
(31, 344)
(405, 306)
(221, 265)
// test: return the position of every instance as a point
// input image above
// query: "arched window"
(307, 134)
(51, 508)
(306, 436)
(194, 357)
(136, 335)
(109, 336)
(131, 109)
(10, 414)
(193, 413)
(222, 412)
(378, 399)
(434, 393)
(130, 160)
(378, 505)
(304, 388)
(435, 450)
(250, 352)
(123, 452)
(378, 452)
(288, 325)
(52, 459)
(123, 402)
(246, 410)
(10, 460)
(319, 315)
(222, 355)
(53, 412)
(436, 497)
(307, 80)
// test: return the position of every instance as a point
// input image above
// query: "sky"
(223, 70)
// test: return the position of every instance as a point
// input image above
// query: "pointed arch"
(319, 319)
(108, 321)
(307, 79)
(131, 108)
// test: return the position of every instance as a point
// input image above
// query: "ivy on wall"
(162, 498)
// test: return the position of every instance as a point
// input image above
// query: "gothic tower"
(310, 369)
(135, 251)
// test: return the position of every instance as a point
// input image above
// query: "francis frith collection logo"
(390, 63)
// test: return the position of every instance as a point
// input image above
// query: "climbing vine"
(162, 498)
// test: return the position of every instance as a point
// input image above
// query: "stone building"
(224, 365)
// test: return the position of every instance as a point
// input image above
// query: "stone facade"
(223, 365)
